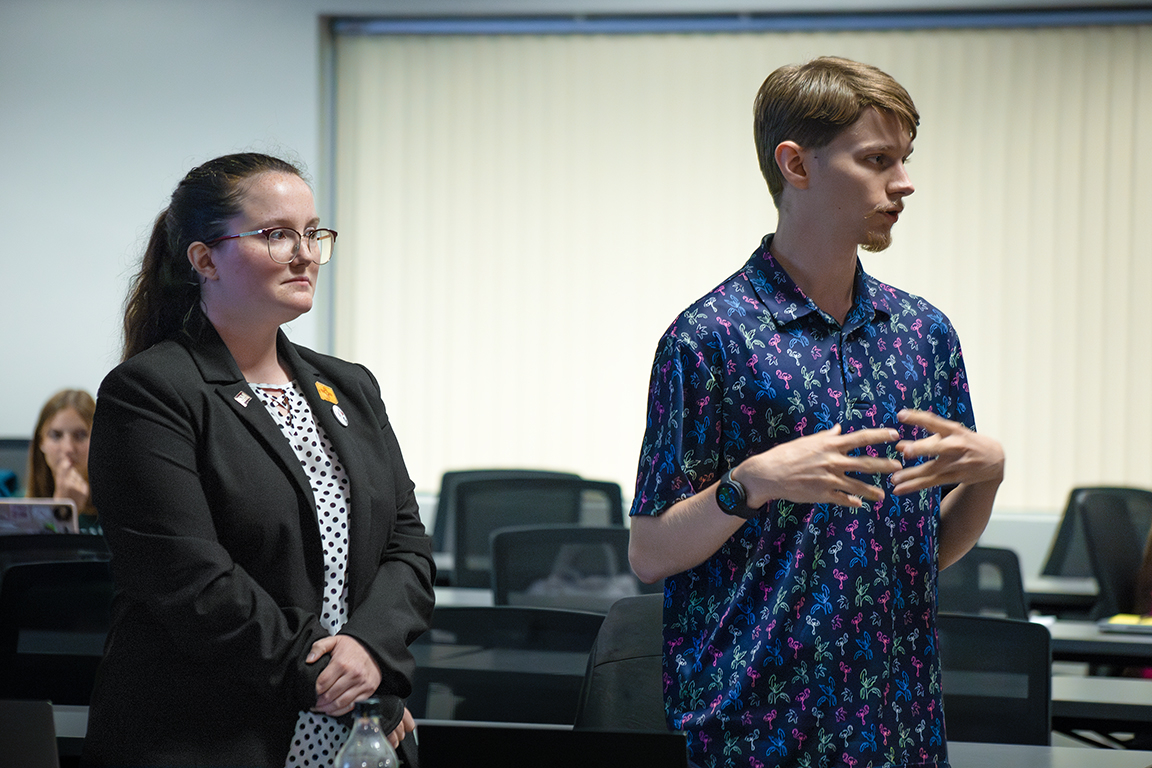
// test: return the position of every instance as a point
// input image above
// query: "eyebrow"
(887, 149)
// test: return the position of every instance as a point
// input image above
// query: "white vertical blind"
(522, 216)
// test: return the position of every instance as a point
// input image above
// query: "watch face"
(727, 497)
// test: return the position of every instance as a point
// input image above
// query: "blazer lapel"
(220, 372)
(347, 427)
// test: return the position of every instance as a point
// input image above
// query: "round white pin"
(340, 417)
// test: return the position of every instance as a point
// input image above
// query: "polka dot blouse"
(318, 737)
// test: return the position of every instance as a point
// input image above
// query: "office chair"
(1115, 550)
(482, 506)
(986, 581)
(54, 617)
(623, 686)
(996, 675)
(502, 663)
(1068, 555)
(444, 525)
(27, 735)
(563, 566)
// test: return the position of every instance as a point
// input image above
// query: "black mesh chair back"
(482, 506)
(1115, 550)
(444, 524)
(623, 686)
(27, 735)
(997, 679)
(502, 664)
(54, 617)
(986, 581)
(1068, 555)
(563, 566)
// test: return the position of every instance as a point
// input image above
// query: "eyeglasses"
(284, 243)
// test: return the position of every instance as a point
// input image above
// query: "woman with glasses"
(270, 561)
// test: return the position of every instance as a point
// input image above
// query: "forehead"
(276, 194)
(66, 418)
(875, 130)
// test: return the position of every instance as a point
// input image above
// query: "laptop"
(447, 744)
(38, 516)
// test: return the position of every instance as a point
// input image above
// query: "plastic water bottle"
(367, 745)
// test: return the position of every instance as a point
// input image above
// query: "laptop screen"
(38, 516)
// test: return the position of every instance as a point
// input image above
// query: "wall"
(104, 104)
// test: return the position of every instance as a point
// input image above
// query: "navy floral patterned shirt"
(809, 637)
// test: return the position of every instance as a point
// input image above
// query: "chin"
(874, 242)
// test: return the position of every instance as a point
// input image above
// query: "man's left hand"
(955, 454)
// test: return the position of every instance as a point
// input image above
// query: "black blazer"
(217, 556)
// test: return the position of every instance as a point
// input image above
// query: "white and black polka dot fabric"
(318, 737)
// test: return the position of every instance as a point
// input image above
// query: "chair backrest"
(996, 678)
(986, 581)
(1068, 555)
(14, 457)
(502, 663)
(1115, 550)
(623, 685)
(563, 566)
(27, 735)
(54, 617)
(444, 525)
(482, 506)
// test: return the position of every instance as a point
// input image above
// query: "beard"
(879, 237)
(875, 241)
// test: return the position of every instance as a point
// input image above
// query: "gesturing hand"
(956, 455)
(70, 484)
(350, 676)
(814, 469)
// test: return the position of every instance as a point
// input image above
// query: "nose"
(902, 182)
(68, 445)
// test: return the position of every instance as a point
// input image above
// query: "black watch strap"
(732, 498)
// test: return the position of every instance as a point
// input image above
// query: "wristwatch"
(732, 498)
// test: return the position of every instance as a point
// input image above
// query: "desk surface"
(463, 596)
(1108, 703)
(1083, 641)
(71, 722)
(969, 755)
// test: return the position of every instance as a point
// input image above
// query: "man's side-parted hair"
(812, 103)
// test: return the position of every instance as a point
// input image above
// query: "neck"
(824, 270)
(254, 352)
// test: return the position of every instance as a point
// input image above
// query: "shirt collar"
(786, 303)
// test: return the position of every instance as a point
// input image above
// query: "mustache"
(898, 208)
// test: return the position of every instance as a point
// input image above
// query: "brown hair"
(165, 296)
(812, 103)
(41, 484)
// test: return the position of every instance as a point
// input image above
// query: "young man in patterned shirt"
(810, 460)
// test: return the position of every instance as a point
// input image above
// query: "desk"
(970, 755)
(463, 596)
(1083, 641)
(72, 723)
(1060, 594)
(1101, 704)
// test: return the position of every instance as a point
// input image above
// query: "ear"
(792, 162)
(200, 257)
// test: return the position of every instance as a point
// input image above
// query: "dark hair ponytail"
(165, 296)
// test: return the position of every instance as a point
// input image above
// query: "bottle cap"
(367, 708)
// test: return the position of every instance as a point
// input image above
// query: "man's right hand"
(815, 469)
(810, 469)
